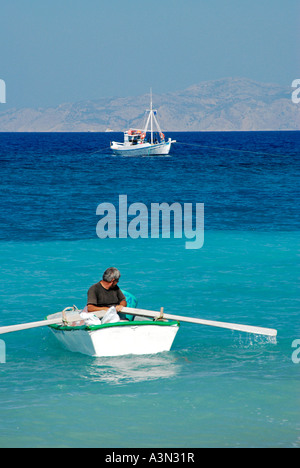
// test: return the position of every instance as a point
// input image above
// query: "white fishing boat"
(148, 141)
(115, 339)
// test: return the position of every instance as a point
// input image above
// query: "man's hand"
(121, 305)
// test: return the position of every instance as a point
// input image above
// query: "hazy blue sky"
(55, 51)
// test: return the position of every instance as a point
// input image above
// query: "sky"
(57, 51)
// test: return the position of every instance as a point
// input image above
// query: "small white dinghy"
(115, 339)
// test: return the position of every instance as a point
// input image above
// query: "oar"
(211, 323)
(26, 326)
(43, 323)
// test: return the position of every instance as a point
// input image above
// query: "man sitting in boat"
(106, 293)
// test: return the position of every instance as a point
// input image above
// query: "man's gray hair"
(111, 274)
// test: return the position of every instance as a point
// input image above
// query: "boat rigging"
(144, 142)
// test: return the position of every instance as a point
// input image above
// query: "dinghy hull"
(117, 339)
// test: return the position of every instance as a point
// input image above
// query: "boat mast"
(151, 119)
(151, 116)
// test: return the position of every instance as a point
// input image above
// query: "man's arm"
(93, 308)
(119, 307)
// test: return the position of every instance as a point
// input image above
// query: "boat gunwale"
(114, 324)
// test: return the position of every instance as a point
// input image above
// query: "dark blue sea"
(216, 387)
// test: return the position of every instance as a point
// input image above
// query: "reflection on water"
(125, 369)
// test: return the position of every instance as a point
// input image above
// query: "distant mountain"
(230, 104)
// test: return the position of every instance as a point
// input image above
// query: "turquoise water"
(216, 387)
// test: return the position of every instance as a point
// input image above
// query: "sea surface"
(216, 387)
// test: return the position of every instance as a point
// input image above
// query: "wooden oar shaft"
(230, 326)
(26, 326)
(42, 323)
